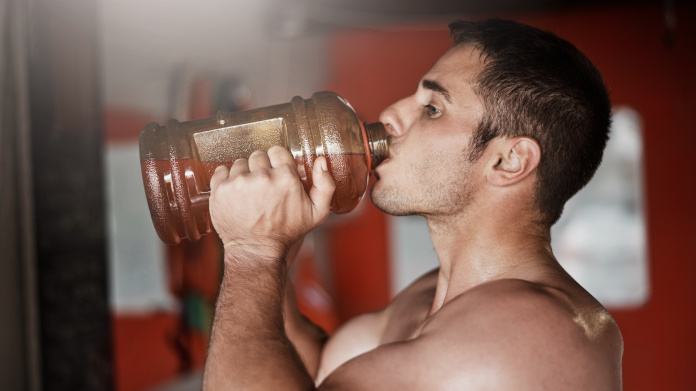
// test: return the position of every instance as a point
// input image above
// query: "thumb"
(322, 190)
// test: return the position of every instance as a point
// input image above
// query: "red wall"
(373, 69)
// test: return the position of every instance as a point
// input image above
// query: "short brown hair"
(538, 85)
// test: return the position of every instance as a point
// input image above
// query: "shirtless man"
(499, 134)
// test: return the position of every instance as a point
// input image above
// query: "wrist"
(260, 265)
(253, 284)
(254, 254)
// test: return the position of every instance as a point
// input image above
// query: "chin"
(377, 197)
(388, 201)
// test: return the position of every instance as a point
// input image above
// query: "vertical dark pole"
(69, 200)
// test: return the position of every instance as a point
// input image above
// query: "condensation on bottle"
(179, 158)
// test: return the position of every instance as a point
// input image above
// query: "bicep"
(473, 353)
(422, 363)
(358, 336)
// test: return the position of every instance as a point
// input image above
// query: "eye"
(432, 111)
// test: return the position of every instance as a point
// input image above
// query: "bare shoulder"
(531, 334)
(507, 334)
(539, 305)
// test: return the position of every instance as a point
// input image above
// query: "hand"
(259, 206)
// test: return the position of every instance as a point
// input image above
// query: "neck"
(474, 248)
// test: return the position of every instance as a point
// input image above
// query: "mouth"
(382, 164)
(390, 155)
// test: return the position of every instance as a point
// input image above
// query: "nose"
(393, 119)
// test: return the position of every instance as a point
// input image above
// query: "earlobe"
(516, 158)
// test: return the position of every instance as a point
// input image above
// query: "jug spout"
(377, 143)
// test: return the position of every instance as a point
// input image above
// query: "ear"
(513, 160)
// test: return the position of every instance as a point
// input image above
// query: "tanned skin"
(499, 313)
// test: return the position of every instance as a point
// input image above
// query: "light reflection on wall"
(601, 237)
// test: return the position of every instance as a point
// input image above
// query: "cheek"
(433, 167)
(448, 164)
(431, 155)
(443, 151)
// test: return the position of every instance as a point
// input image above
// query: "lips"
(381, 165)
(392, 149)
(383, 162)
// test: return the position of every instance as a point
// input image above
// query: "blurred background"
(92, 300)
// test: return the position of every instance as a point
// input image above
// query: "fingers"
(221, 173)
(258, 161)
(277, 156)
(280, 159)
(323, 187)
(280, 156)
(239, 167)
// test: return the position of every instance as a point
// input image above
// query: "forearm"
(259, 208)
(308, 338)
(249, 347)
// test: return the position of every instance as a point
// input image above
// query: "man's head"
(538, 85)
(509, 108)
(429, 172)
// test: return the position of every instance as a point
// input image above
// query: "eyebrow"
(435, 86)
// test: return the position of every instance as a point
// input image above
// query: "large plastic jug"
(178, 159)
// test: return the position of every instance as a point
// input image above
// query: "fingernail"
(324, 165)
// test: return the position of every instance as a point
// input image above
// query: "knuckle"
(225, 185)
(279, 154)
(287, 175)
(257, 154)
(286, 171)
(276, 149)
(238, 186)
(264, 175)
(286, 183)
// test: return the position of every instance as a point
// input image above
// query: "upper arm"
(395, 366)
(526, 341)
(427, 362)
(366, 332)
(356, 337)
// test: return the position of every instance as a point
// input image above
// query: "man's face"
(429, 172)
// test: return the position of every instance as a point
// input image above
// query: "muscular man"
(500, 133)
